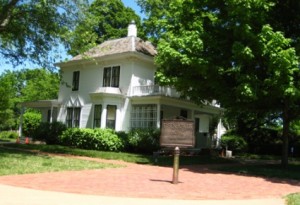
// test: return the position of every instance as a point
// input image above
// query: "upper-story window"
(111, 76)
(75, 83)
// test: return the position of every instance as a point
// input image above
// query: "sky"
(128, 3)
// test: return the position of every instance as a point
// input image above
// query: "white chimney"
(132, 30)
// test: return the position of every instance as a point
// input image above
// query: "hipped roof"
(119, 46)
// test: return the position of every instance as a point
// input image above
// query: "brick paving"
(144, 181)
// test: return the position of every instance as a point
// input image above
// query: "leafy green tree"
(40, 84)
(24, 85)
(234, 51)
(7, 93)
(103, 20)
(30, 29)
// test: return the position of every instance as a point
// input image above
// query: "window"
(111, 76)
(184, 113)
(73, 116)
(75, 83)
(144, 116)
(111, 116)
(97, 116)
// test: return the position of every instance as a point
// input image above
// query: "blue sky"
(128, 3)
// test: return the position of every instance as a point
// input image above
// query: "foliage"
(31, 122)
(264, 140)
(233, 142)
(143, 140)
(49, 132)
(29, 30)
(24, 85)
(238, 52)
(6, 94)
(94, 139)
(40, 84)
(103, 20)
(22, 162)
(293, 199)
(9, 135)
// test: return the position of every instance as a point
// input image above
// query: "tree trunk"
(285, 137)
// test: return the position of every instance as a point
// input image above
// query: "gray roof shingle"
(118, 46)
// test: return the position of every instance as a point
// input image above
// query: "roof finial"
(132, 30)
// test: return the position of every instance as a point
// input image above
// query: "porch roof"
(177, 102)
(41, 103)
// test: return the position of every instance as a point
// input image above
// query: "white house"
(112, 86)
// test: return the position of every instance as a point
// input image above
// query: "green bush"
(143, 141)
(233, 142)
(264, 140)
(31, 122)
(94, 139)
(9, 135)
(49, 132)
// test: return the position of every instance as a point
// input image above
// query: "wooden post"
(176, 165)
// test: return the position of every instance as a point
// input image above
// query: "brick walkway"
(196, 182)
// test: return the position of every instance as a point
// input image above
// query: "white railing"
(154, 90)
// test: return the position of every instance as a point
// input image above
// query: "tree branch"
(6, 14)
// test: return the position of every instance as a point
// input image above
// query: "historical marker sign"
(177, 133)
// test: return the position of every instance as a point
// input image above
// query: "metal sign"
(177, 133)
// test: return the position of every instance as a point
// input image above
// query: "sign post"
(176, 165)
(177, 134)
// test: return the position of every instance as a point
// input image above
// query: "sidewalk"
(21, 196)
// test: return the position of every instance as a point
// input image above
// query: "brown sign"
(177, 133)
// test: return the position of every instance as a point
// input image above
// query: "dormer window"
(75, 83)
(111, 76)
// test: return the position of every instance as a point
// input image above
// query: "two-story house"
(113, 86)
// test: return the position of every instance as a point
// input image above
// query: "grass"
(21, 162)
(127, 157)
(293, 199)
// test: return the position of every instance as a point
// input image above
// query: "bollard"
(176, 165)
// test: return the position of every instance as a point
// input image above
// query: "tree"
(29, 30)
(237, 52)
(6, 114)
(103, 20)
(24, 85)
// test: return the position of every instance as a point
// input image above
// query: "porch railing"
(154, 90)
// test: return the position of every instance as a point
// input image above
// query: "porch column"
(219, 132)
(51, 114)
(118, 119)
(21, 121)
(158, 116)
(103, 116)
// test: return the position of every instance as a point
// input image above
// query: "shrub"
(95, 139)
(143, 140)
(264, 140)
(9, 135)
(31, 122)
(233, 142)
(49, 132)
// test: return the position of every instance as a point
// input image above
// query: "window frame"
(111, 76)
(75, 81)
(97, 115)
(144, 116)
(73, 117)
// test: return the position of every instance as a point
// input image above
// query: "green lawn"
(19, 162)
(293, 199)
